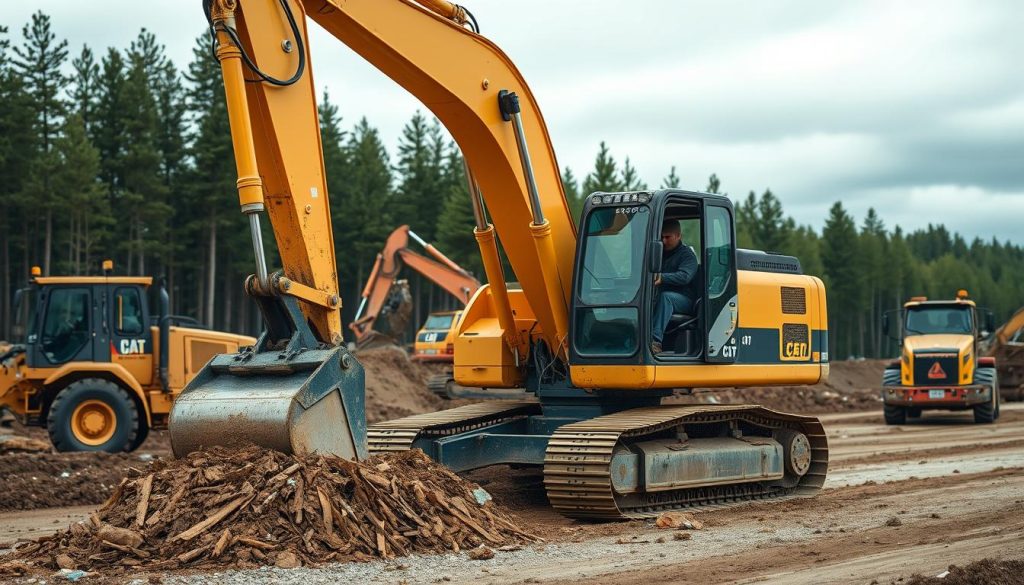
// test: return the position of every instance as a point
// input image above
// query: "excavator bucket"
(288, 393)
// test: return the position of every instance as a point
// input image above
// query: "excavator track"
(400, 434)
(578, 474)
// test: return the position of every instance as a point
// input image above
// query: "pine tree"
(17, 152)
(366, 215)
(84, 85)
(456, 224)
(631, 178)
(671, 181)
(713, 184)
(605, 176)
(839, 256)
(145, 191)
(39, 62)
(571, 188)
(770, 228)
(420, 156)
(88, 212)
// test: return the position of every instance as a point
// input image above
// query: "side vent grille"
(794, 301)
(795, 333)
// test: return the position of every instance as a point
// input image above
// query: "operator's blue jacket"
(678, 267)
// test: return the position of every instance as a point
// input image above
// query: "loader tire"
(987, 413)
(895, 415)
(93, 415)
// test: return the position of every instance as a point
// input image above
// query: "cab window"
(718, 265)
(128, 311)
(66, 328)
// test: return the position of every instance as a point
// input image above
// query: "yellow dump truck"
(940, 366)
(92, 364)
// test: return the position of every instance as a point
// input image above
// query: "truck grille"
(936, 369)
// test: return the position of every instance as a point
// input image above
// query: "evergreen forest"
(120, 153)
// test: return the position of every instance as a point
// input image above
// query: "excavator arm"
(479, 95)
(438, 269)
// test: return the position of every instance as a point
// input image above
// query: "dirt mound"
(45, 480)
(852, 386)
(396, 386)
(983, 572)
(252, 507)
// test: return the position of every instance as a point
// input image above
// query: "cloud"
(874, 103)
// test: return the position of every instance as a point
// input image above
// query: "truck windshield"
(613, 255)
(24, 315)
(924, 320)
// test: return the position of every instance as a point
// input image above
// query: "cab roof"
(143, 280)
(945, 302)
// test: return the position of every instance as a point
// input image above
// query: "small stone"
(682, 536)
(678, 520)
(934, 515)
(660, 540)
(894, 521)
(481, 553)
(287, 560)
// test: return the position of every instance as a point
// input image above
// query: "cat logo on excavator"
(936, 372)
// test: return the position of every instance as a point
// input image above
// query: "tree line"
(121, 154)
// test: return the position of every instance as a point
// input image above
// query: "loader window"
(24, 315)
(128, 311)
(613, 255)
(66, 329)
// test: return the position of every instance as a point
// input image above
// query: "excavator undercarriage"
(634, 463)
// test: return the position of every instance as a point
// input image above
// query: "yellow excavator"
(576, 335)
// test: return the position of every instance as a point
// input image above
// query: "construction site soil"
(395, 387)
(899, 504)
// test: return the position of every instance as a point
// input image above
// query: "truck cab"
(939, 366)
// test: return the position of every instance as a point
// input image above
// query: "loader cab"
(88, 319)
(620, 253)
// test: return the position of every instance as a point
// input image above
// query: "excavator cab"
(615, 289)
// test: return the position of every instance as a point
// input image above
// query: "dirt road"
(898, 500)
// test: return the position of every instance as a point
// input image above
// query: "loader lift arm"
(396, 253)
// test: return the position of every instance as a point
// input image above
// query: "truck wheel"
(93, 415)
(895, 415)
(987, 413)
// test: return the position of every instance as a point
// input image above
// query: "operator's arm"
(679, 268)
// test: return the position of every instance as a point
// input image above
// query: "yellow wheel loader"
(578, 333)
(94, 365)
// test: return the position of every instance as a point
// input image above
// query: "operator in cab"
(673, 291)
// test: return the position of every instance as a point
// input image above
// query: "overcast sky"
(915, 108)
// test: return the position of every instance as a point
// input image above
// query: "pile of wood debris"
(223, 508)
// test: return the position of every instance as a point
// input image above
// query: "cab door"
(720, 295)
(65, 328)
(131, 339)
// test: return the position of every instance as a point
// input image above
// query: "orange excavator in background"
(577, 333)
(385, 296)
(1006, 345)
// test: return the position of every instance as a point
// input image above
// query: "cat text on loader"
(94, 365)
(577, 334)
(940, 366)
